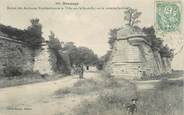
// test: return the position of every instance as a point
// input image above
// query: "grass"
(110, 101)
(165, 99)
(81, 87)
(86, 86)
(174, 74)
(26, 79)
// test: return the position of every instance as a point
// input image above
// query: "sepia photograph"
(91, 57)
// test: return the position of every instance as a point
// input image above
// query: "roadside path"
(26, 99)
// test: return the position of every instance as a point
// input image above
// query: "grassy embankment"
(112, 96)
(26, 79)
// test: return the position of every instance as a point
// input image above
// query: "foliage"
(58, 59)
(157, 43)
(173, 74)
(80, 55)
(103, 60)
(35, 38)
(54, 42)
(166, 52)
(67, 55)
(11, 71)
(27, 78)
(165, 99)
(87, 56)
(111, 98)
(32, 36)
(112, 37)
(86, 86)
(81, 87)
(131, 16)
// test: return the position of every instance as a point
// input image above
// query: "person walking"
(81, 71)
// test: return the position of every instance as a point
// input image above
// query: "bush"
(81, 87)
(165, 83)
(11, 71)
(111, 99)
(174, 74)
(32, 36)
(167, 101)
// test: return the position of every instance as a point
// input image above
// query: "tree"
(166, 52)
(87, 56)
(72, 51)
(132, 15)
(34, 32)
(112, 37)
(80, 55)
(36, 27)
(58, 59)
(156, 43)
(103, 60)
(54, 42)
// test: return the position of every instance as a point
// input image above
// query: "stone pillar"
(42, 63)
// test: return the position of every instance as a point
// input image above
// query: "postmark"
(168, 16)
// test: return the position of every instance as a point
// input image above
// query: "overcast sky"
(88, 28)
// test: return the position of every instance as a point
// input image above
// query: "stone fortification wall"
(14, 54)
(42, 63)
(132, 57)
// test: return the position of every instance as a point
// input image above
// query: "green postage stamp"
(168, 15)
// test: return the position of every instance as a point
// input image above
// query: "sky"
(88, 28)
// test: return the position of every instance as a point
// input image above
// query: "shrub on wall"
(32, 36)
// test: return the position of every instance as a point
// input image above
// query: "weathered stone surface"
(158, 61)
(132, 56)
(14, 54)
(42, 63)
(166, 65)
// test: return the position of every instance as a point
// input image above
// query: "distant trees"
(87, 56)
(103, 60)
(66, 55)
(132, 16)
(80, 55)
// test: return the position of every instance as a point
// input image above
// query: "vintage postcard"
(91, 57)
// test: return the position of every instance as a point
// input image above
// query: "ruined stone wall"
(150, 63)
(14, 54)
(42, 63)
(166, 65)
(158, 60)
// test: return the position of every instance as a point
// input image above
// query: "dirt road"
(39, 98)
(33, 99)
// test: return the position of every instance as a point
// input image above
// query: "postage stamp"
(168, 15)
